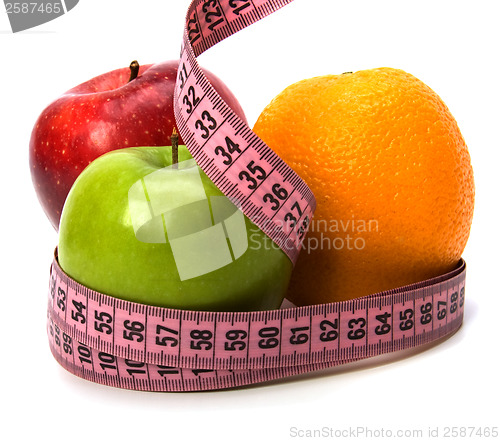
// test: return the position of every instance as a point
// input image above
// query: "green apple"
(137, 227)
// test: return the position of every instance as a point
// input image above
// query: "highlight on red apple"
(127, 107)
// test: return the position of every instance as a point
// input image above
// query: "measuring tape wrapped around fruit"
(136, 346)
(151, 295)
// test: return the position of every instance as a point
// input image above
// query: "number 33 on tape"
(129, 345)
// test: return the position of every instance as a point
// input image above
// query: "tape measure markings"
(204, 35)
(217, 379)
(164, 378)
(254, 340)
(275, 162)
(205, 121)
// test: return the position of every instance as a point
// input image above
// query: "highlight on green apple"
(147, 225)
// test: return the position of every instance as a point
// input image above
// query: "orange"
(391, 174)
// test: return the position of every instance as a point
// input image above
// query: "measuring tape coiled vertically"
(265, 188)
(135, 346)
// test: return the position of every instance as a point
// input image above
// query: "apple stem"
(175, 146)
(134, 70)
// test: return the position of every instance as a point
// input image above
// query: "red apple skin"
(103, 114)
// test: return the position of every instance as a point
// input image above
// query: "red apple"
(105, 113)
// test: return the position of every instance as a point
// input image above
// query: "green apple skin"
(98, 247)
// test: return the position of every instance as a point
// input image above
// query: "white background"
(451, 45)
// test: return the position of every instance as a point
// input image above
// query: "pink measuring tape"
(136, 346)
(267, 191)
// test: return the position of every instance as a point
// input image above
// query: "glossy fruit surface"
(136, 228)
(105, 113)
(391, 174)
